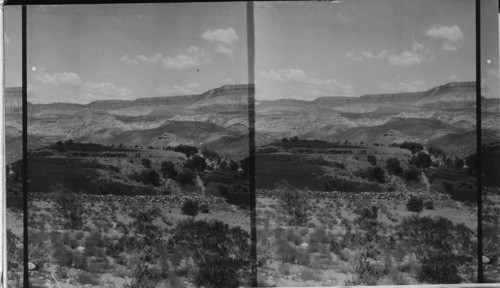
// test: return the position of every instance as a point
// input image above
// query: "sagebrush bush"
(415, 204)
(204, 208)
(293, 202)
(429, 205)
(211, 242)
(440, 268)
(218, 272)
(88, 278)
(190, 207)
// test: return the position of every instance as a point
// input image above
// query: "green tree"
(372, 159)
(168, 169)
(146, 163)
(393, 166)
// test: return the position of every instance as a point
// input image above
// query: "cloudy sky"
(310, 50)
(82, 53)
(303, 50)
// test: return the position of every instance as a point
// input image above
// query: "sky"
(490, 49)
(82, 53)
(310, 50)
(303, 50)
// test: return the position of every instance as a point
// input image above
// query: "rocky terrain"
(440, 114)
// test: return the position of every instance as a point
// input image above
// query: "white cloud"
(176, 89)
(193, 56)
(351, 55)
(58, 79)
(306, 87)
(225, 38)
(419, 54)
(128, 60)
(452, 33)
(76, 87)
(450, 36)
(414, 86)
(221, 35)
(154, 59)
(283, 75)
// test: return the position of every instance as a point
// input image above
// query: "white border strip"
(3, 197)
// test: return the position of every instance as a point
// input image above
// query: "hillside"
(173, 133)
(398, 130)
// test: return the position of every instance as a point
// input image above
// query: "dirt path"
(426, 182)
(200, 184)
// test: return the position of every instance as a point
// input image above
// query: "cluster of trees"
(412, 146)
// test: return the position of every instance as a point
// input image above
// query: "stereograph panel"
(266, 144)
(138, 145)
(365, 124)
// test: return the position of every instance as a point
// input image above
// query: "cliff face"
(229, 97)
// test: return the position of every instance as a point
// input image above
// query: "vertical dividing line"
(25, 151)
(251, 137)
(478, 147)
(3, 182)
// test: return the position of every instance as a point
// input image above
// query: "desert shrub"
(294, 204)
(233, 166)
(14, 254)
(421, 160)
(428, 204)
(458, 163)
(286, 252)
(471, 161)
(212, 155)
(88, 278)
(308, 274)
(62, 255)
(147, 177)
(79, 261)
(218, 272)
(439, 268)
(372, 160)
(435, 235)
(168, 169)
(196, 163)
(393, 166)
(245, 166)
(186, 177)
(68, 206)
(368, 222)
(17, 168)
(186, 149)
(204, 208)
(411, 175)
(373, 173)
(190, 207)
(146, 163)
(415, 204)
(436, 151)
(412, 146)
(221, 253)
(448, 186)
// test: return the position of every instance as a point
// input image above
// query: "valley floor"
(341, 244)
